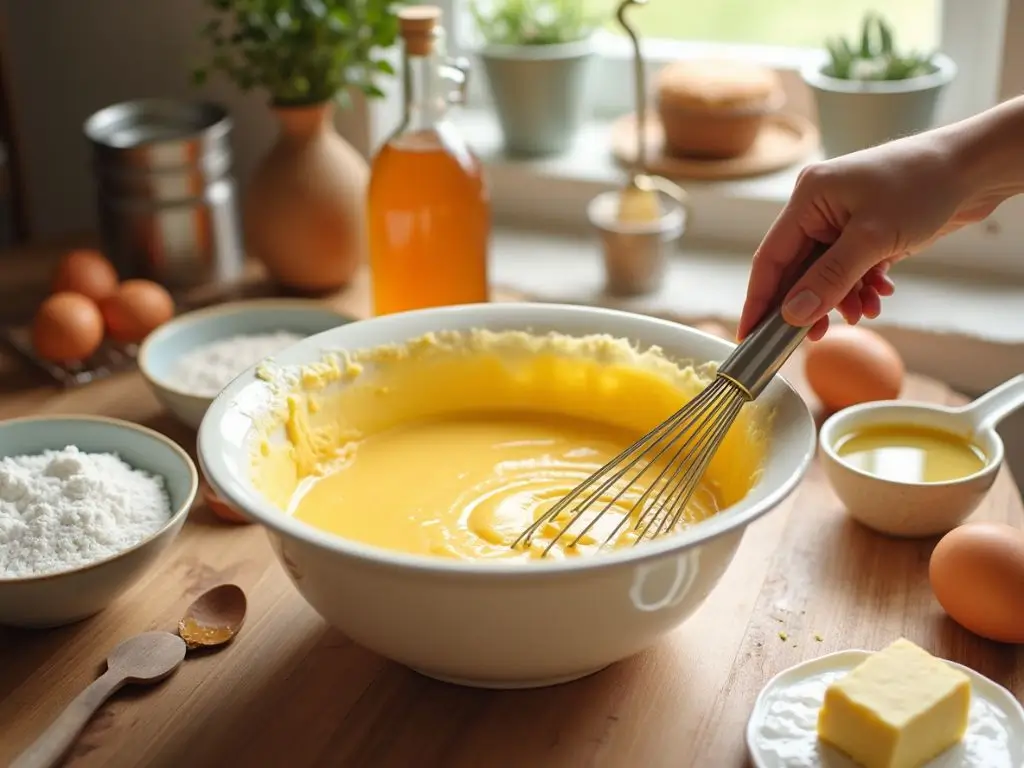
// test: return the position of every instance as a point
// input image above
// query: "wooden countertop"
(290, 691)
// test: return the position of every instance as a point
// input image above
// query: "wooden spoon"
(214, 618)
(146, 658)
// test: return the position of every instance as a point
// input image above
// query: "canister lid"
(416, 24)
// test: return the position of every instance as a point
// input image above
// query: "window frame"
(977, 34)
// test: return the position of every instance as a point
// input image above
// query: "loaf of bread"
(714, 108)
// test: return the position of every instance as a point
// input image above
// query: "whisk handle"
(763, 352)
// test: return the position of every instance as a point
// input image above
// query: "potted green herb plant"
(304, 206)
(868, 91)
(537, 56)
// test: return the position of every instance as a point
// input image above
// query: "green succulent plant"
(533, 22)
(299, 51)
(875, 57)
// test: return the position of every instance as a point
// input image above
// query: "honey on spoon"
(214, 618)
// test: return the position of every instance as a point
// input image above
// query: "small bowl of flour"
(189, 360)
(87, 504)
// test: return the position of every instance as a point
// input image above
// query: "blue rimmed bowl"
(51, 600)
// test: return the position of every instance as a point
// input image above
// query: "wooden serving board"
(291, 691)
(785, 140)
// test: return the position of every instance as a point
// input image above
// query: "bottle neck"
(424, 89)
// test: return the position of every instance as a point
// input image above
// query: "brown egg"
(68, 327)
(137, 309)
(220, 508)
(977, 575)
(853, 365)
(86, 272)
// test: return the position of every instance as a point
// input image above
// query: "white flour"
(206, 370)
(60, 510)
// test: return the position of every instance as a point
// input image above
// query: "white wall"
(68, 58)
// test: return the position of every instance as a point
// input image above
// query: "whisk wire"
(674, 421)
(715, 390)
(694, 430)
(686, 486)
(651, 437)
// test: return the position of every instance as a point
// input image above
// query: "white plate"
(782, 731)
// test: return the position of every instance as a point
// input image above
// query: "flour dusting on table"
(60, 510)
(206, 370)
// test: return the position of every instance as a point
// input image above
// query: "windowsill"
(954, 339)
(589, 161)
(553, 193)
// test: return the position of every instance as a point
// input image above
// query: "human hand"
(874, 207)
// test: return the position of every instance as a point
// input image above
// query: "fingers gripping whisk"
(667, 463)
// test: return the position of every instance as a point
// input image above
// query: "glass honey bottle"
(428, 202)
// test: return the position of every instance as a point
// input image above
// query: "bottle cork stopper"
(416, 25)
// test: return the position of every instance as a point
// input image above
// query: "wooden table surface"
(291, 691)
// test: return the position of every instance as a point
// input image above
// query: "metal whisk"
(666, 465)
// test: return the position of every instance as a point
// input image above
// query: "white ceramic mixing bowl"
(503, 624)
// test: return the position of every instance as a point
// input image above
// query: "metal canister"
(167, 199)
(636, 254)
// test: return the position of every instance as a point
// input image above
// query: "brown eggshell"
(219, 508)
(68, 327)
(86, 272)
(853, 365)
(977, 575)
(137, 309)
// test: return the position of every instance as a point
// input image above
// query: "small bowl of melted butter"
(914, 469)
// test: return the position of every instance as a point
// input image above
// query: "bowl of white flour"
(188, 361)
(87, 504)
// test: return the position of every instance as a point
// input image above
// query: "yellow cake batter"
(453, 444)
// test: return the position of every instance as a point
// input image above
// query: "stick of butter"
(900, 708)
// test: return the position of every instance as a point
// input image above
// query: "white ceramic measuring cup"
(919, 509)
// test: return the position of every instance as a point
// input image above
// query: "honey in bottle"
(428, 203)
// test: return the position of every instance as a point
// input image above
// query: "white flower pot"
(540, 93)
(856, 114)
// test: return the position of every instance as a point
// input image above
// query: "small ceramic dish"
(62, 598)
(782, 730)
(906, 509)
(161, 350)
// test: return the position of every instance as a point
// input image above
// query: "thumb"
(860, 246)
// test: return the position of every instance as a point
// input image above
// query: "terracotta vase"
(305, 206)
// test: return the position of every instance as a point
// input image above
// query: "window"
(784, 23)
(783, 34)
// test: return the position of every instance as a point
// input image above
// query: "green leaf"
(865, 36)
(533, 22)
(885, 35)
(877, 48)
(298, 50)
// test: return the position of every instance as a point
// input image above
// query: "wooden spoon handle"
(49, 748)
